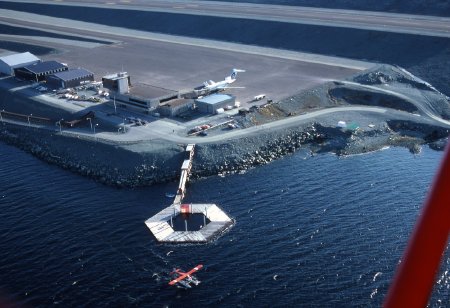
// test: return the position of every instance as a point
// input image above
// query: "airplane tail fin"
(234, 73)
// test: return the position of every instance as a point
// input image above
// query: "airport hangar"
(9, 63)
(38, 71)
(70, 78)
(27, 66)
(213, 103)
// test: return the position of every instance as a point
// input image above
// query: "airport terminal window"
(138, 101)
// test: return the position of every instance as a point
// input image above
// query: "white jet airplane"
(224, 84)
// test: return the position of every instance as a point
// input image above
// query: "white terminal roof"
(214, 99)
(19, 58)
(116, 76)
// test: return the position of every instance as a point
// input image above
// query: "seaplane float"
(184, 280)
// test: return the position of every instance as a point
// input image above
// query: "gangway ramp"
(185, 172)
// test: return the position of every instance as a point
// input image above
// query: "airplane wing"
(197, 268)
(224, 87)
(177, 280)
(184, 275)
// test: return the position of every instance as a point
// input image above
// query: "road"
(400, 23)
(399, 95)
(164, 131)
(267, 127)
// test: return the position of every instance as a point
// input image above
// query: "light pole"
(115, 107)
(90, 121)
(123, 126)
(94, 131)
(59, 123)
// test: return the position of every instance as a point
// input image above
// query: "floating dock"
(162, 228)
(215, 220)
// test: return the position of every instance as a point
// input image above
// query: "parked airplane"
(184, 280)
(222, 85)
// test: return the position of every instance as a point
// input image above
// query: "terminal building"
(119, 82)
(175, 107)
(212, 103)
(8, 64)
(140, 97)
(38, 71)
(70, 78)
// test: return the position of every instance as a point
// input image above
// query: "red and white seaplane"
(184, 280)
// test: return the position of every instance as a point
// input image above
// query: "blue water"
(319, 231)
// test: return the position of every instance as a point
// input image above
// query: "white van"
(259, 97)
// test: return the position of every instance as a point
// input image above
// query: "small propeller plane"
(183, 279)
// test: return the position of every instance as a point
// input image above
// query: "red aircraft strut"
(414, 280)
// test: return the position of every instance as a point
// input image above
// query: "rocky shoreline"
(119, 166)
(110, 164)
(316, 139)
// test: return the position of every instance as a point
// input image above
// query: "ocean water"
(316, 231)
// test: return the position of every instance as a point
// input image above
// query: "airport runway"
(178, 63)
(390, 22)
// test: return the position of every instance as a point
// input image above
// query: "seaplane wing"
(185, 275)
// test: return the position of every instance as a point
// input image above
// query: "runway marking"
(366, 20)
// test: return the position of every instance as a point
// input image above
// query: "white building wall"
(5, 68)
(19, 60)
